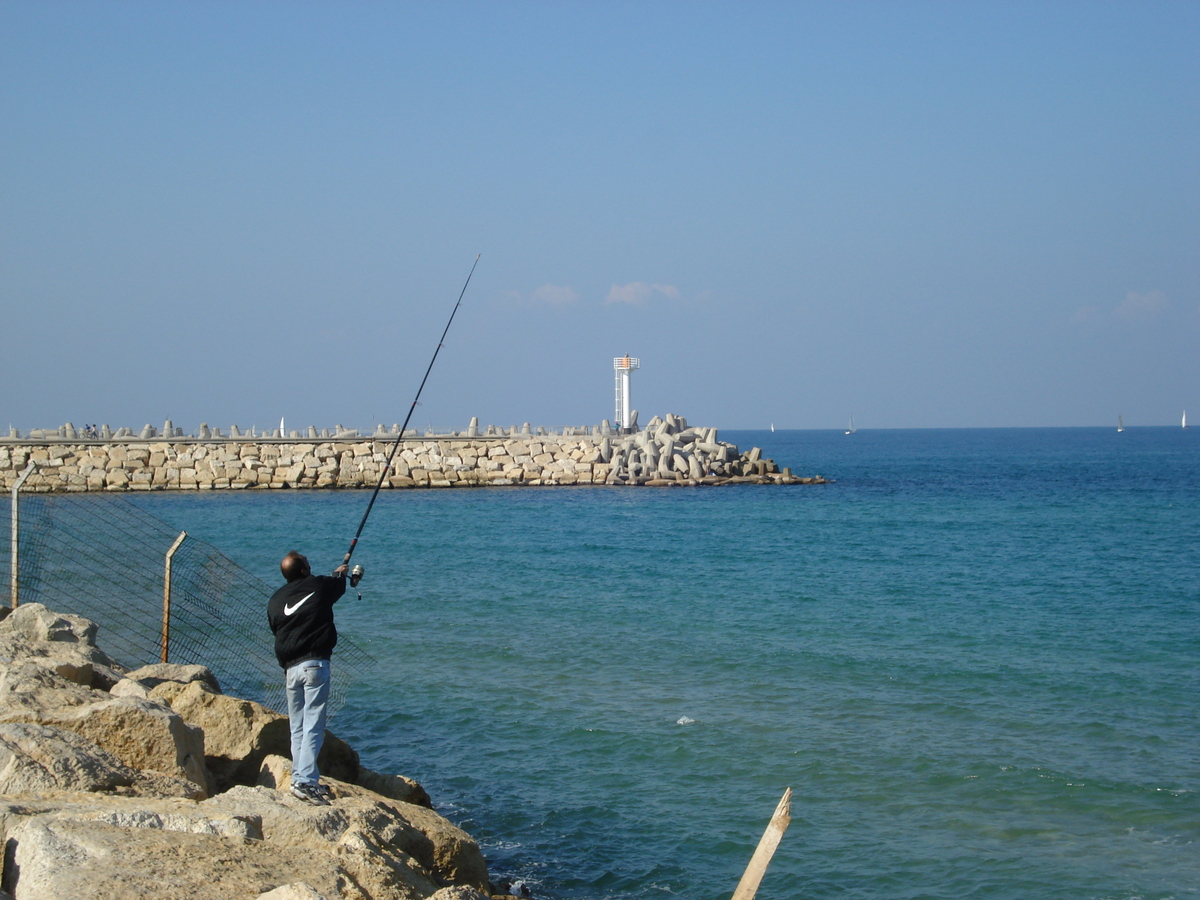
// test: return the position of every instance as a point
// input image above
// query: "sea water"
(973, 657)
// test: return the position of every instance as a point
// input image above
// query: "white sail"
(851, 429)
(1120, 424)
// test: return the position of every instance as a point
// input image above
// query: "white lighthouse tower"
(624, 366)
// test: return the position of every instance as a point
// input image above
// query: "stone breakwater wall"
(665, 453)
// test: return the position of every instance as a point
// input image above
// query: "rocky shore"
(665, 453)
(152, 783)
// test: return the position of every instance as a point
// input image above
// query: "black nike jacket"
(301, 617)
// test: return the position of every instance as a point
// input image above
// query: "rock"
(456, 856)
(87, 666)
(143, 734)
(458, 892)
(35, 622)
(167, 814)
(185, 821)
(275, 773)
(379, 871)
(35, 758)
(370, 839)
(297, 891)
(440, 848)
(79, 672)
(395, 787)
(153, 675)
(28, 686)
(54, 859)
(238, 734)
(127, 688)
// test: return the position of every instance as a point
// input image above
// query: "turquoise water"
(974, 658)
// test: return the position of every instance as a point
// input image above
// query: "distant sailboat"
(773, 424)
(1120, 424)
(851, 429)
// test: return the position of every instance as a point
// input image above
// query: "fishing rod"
(387, 466)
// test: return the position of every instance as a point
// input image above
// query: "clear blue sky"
(921, 214)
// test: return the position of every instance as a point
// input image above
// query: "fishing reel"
(356, 575)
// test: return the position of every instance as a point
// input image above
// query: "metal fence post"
(15, 595)
(166, 622)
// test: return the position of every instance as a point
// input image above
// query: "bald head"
(294, 566)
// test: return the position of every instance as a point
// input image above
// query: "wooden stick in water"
(748, 886)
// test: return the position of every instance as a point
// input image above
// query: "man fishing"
(301, 617)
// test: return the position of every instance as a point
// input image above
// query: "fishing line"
(387, 466)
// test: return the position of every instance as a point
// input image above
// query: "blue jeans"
(307, 697)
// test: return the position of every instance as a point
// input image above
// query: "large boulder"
(80, 663)
(394, 787)
(38, 759)
(240, 734)
(142, 734)
(37, 623)
(52, 858)
(459, 892)
(297, 891)
(370, 840)
(125, 811)
(35, 759)
(439, 849)
(379, 869)
(452, 853)
(29, 686)
(141, 681)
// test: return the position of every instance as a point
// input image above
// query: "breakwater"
(665, 453)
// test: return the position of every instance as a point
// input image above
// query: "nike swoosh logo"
(288, 610)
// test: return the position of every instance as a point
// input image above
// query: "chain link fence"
(101, 557)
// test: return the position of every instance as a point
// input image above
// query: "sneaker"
(322, 791)
(308, 794)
